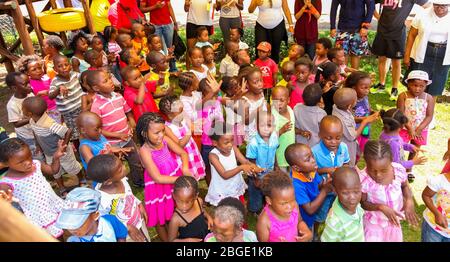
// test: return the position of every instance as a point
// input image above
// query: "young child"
(89, 93)
(117, 120)
(208, 54)
(242, 58)
(139, 93)
(344, 100)
(295, 52)
(33, 66)
(322, 47)
(111, 35)
(129, 57)
(280, 221)
(66, 90)
(310, 189)
(47, 134)
(328, 77)
(227, 66)
(155, 43)
(394, 120)
(268, 67)
(418, 107)
(124, 41)
(226, 175)
(81, 217)
(284, 124)
(231, 89)
(52, 46)
(180, 132)
(308, 116)
(236, 35)
(161, 170)
(25, 177)
(139, 43)
(197, 67)
(94, 59)
(190, 97)
(79, 43)
(19, 83)
(287, 73)
(303, 67)
(97, 45)
(337, 56)
(386, 196)
(191, 222)
(117, 199)
(360, 81)
(345, 220)
(159, 74)
(203, 38)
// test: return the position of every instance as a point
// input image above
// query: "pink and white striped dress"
(196, 164)
(158, 197)
(377, 227)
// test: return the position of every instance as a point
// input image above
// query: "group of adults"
(425, 48)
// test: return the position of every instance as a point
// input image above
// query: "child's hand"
(121, 152)
(417, 149)
(440, 220)
(212, 83)
(327, 87)
(124, 137)
(6, 193)
(42, 93)
(419, 160)
(143, 213)
(216, 46)
(373, 117)
(285, 128)
(111, 57)
(249, 169)
(326, 185)
(391, 214)
(304, 236)
(306, 134)
(63, 91)
(61, 150)
(135, 234)
(410, 213)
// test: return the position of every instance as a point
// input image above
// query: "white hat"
(441, 2)
(419, 74)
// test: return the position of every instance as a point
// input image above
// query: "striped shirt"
(112, 111)
(48, 133)
(341, 226)
(73, 100)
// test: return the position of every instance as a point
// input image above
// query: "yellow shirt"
(154, 77)
(140, 46)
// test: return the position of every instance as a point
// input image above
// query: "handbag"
(180, 47)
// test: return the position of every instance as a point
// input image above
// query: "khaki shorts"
(69, 163)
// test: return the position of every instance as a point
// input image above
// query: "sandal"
(411, 177)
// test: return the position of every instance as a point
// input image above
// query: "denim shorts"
(321, 214)
(430, 235)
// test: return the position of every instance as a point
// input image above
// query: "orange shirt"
(140, 46)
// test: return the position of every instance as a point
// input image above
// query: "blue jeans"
(430, 235)
(166, 34)
(255, 197)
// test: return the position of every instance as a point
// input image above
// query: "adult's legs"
(310, 49)
(225, 25)
(166, 34)
(261, 35)
(382, 60)
(276, 36)
(396, 72)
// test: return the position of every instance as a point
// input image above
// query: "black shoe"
(379, 88)
(411, 177)
(394, 94)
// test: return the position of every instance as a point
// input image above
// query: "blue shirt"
(326, 158)
(262, 152)
(306, 192)
(352, 14)
(96, 147)
(110, 229)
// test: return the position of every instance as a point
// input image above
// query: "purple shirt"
(397, 147)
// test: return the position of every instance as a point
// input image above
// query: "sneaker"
(394, 94)
(411, 177)
(379, 88)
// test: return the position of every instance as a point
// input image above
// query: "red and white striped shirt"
(112, 111)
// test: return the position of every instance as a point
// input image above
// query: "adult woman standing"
(426, 47)
(307, 13)
(230, 16)
(164, 20)
(123, 13)
(270, 26)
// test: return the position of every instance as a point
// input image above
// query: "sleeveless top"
(97, 147)
(416, 110)
(83, 64)
(285, 229)
(251, 129)
(197, 228)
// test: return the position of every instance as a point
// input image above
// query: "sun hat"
(79, 204)
(420, 75)
(441, 2)
(264, 46)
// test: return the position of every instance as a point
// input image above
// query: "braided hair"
(325, 70)
(393, 119)
(9, 147)
(144, 122)
(185, 80)
(275, 180)
(377, 149)
(185, 182)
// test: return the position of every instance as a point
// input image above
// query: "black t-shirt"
(392, 20)
(328, 99)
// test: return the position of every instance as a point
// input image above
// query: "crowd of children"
(287, 149)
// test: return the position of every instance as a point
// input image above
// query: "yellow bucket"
(62, 19)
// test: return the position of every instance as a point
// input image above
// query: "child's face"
(184, 199)
(378, 169)
(416, 87)
(82, 45)
(243, 57)
(156, 44)
(349, 194)
(155, 133)
(331, 135)
(321, 50)
(63, 67)
(305, 162)
(97, 44)
(287, 72)
(295, 52)
(161, 65)
(208, 54)
(263, 54)
(362, 88)
(234, 35)
(197, 58)
(104, 83)
(21, 161)
(126, 42)
(224, 231)
(92, 129)
(233, 87)
(22, 85)
(282, 201)
(113, 36)
(35, 70)
(224, 144)
(303, 73)
(255, 83)
(203, 37)
(48, 49)
(134, 79)
(280, 100)
(265, 125)
(340, 58)
(98, 61)
(89, 226)
(139, 31)
(232, 49)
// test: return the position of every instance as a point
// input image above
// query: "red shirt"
(119, 18)
(148, 105)
(160, 16)
(306, 28)
(269, 69)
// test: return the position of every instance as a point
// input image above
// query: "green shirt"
(287, 138)
(340, 226)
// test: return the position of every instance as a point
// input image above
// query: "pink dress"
(377, 227)
(286, 230)
(196, 164)
(38, 200)
(211, 111)
(158, 197)
(297, 94)
(41, 85)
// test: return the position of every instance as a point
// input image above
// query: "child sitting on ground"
(117, 199)
(203, 38)
(81, 217)
(268, 67)
(337, 56)
(345, 220)
(322, 46)
(191, 222)
(197, 67)
(287, 73)
(97, 45)
(280, 221)
(308, 116)
(94, 59)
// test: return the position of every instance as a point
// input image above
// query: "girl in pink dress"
(158, 156)
(303, 68)
(386, 196)
(179, 131)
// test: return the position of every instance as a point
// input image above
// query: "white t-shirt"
(189, 105)
(441, 200)
(15, 113)
(229, 11)
(200, 12)
(200, 75)
(269, 17)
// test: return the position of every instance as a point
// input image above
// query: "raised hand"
(61, 150)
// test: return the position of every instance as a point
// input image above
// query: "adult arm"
(287, 13)
(187, 5)
(253, 5)
(144, 8)
(413, 32)
(172, 15)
